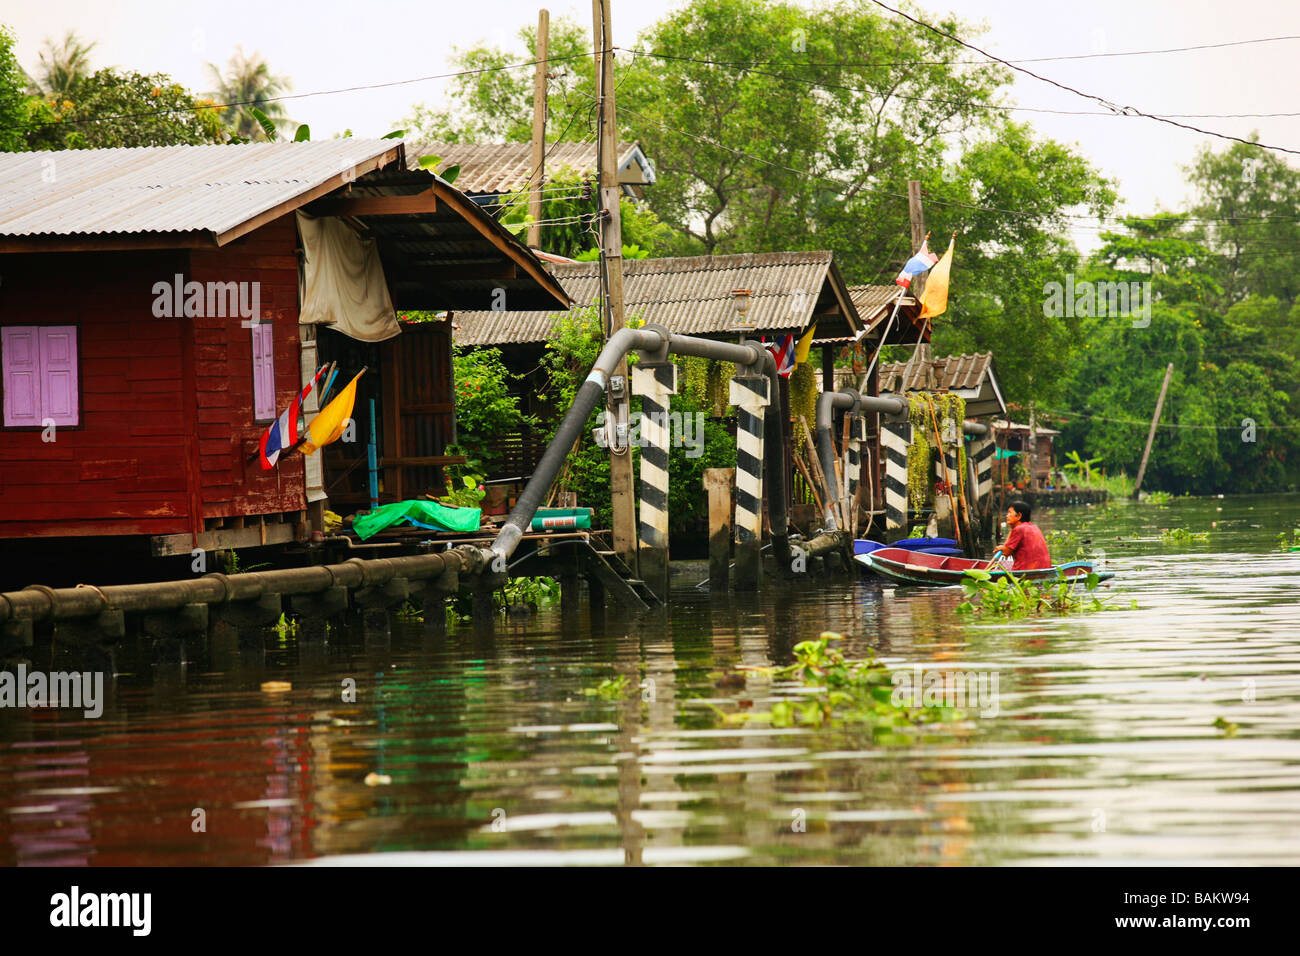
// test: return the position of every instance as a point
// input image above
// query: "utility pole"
(916, 215)
(1151, 435)
(539, 130)
(611, 259)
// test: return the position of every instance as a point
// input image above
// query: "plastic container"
(561, 519)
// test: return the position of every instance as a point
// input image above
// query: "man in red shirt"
(1025, 544)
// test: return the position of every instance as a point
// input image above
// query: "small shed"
(971, 376)
(152, 326)
(1034, 444)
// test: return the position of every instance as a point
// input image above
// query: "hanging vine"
(949, 411)
(919, 465)
(803, 393)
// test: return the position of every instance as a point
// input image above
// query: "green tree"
(485, 409)
(1227, 423)
(248, 84)
(113, 109)
(1004, 261)
(496, 105)
(1250, 198)
(63, 66)
(15, 103)
(771, 129)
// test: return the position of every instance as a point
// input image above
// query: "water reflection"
(1103, 749)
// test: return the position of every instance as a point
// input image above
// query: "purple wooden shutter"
(59, 374)
(263, 372)
(20, 354)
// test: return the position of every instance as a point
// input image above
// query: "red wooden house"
(150, 306)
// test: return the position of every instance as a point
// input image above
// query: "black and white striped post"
(655, 383)
(853, 465)
(750, 395)
(895, 438)
(981, 451)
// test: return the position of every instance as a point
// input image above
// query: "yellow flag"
(935, 300)
(805, 343)
(329, 424)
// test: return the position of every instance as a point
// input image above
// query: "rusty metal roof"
(208, 190)
(690, 296)
(497, 168)
(972, 376)
(875, 303)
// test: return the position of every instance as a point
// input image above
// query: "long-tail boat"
(917, 567)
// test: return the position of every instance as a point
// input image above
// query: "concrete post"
(717, 483)
(656, 383)
(749, 393)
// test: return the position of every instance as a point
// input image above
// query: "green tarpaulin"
(1005, 453)
(422, 514)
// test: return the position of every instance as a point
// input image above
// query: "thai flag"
(283, 433)
(919, 263)
(783, 351)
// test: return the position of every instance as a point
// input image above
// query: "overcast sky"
(328, 44)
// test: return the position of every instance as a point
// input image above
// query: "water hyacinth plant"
(1007, 595)
(841, 692)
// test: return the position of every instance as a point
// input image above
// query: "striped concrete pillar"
(981, 451)
(749, 393)
(655, 383)
(853, 464)
(894, 439)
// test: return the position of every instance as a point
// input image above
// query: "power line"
(822, 84)
(1057, 413)
(930, 198)
(1124, 110)
(907, 61)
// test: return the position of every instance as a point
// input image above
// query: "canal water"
(1101, 746)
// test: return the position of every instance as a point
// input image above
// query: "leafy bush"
(485, 409)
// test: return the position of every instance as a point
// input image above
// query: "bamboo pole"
(816, 466)
(1151, 435)
(812, 485)
(943, 459)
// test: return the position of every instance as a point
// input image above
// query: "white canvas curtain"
(343, 282)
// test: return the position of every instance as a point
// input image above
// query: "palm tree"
(63, 66)
(249, 82)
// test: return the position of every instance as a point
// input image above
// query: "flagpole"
(307, 432)
(898, 299)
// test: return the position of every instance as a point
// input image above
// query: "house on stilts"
(160, 307)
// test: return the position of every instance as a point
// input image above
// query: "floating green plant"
(1228, 727)
(1182, 536)
(841, 692)
(1007, 595)
(611, 688)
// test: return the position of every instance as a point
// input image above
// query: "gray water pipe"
(655, 343)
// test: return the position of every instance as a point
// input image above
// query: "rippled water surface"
(1103, 748)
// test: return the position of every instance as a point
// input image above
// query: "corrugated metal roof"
(495, 168)
(972, 374)
(869, 299)
(949, 372)
(690, 296)
(151, 189)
